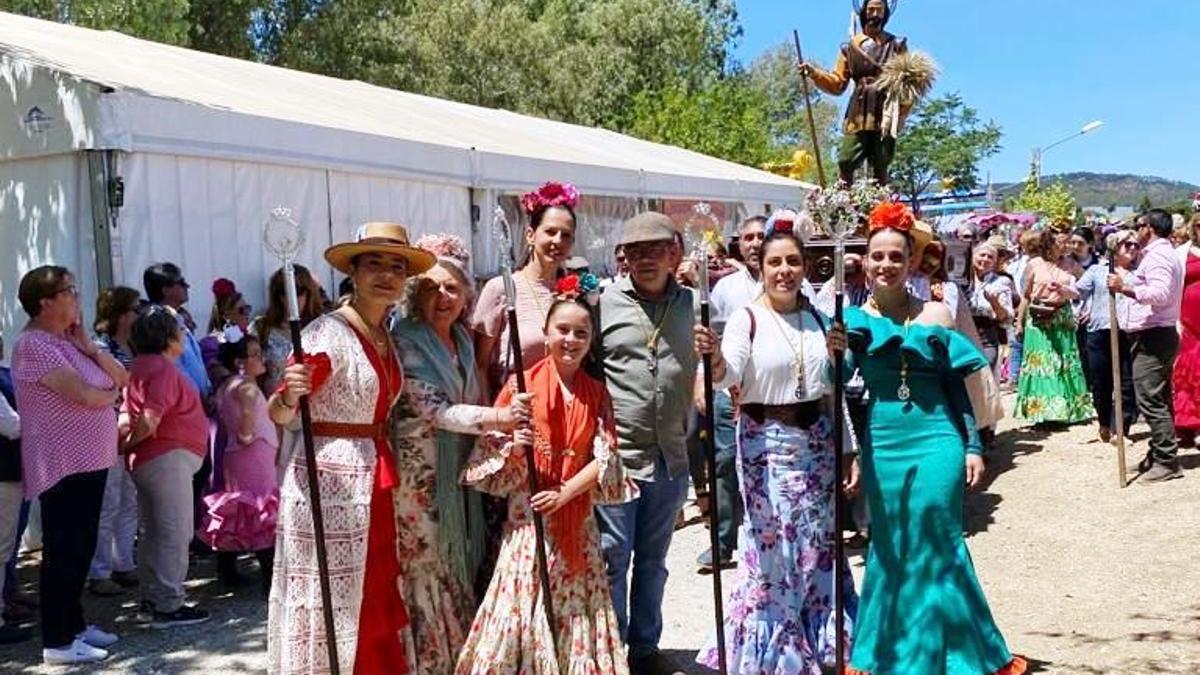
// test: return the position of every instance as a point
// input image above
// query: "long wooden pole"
(1114, 348)
(710, 461)
(314, 486)
(812, 123)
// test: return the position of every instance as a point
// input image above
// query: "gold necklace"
(798, 366)
(903, 392)
(542, 310)
(652, 330)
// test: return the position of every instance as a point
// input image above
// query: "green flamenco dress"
(921, 611)
(1052, 387)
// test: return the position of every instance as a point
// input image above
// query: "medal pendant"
(801, 392)
(902, 392)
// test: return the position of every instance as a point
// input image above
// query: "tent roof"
(168, 99)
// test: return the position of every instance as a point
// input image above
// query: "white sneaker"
(76, 652)
(95, 637)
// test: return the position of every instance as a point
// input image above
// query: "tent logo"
(36, 120)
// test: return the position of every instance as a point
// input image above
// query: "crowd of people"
(148, 440)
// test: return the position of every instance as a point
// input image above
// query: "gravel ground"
(1082, 578)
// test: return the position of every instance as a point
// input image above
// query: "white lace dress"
(296, 630)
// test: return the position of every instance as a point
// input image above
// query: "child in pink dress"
(241, 518)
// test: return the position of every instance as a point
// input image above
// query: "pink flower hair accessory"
(550, 194)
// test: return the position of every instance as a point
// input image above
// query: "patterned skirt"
(779, 618)
(1052, 387)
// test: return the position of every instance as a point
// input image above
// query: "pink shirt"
(1157, 288)
(59, 437)
(158, 386)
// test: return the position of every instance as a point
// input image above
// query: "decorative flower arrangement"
(892, 215)
(550, 194)
(572, 286)
(841, 211)
(445, 246)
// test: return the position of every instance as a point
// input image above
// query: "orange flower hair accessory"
(892, 215)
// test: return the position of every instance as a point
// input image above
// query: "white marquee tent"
(206, 145)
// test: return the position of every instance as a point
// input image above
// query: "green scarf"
(459, 510)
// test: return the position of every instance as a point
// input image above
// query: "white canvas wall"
(45, 219)
(207, 217)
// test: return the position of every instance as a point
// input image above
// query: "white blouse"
(765, 369)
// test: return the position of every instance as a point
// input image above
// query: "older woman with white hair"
(433, 430)
(990, 300)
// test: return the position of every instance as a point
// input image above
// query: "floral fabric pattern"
(509, 635)
(1052, 387)
(440, 607)
(779, 618)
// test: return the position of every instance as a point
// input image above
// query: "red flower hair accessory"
(892, 215)
(550, 194)
(223, 288)
(572, 286)
(567, 288)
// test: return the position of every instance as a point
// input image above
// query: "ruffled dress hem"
(1017, 666)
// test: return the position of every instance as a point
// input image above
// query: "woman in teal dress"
(922, 611)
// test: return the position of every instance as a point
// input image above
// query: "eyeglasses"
(1130, 245)
(69, 290)
(651, 250)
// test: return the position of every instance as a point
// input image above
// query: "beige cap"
(648, 226)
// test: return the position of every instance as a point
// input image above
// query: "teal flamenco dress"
(1052, 387)
(922, 611)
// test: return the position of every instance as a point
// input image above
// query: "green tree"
(226, 27)
(158, 20)
(1145, 205)
(943, 142)
(728, 119)
(773, 74)
(1053, 201)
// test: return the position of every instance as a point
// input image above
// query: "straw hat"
(379, 237)
(922, 235)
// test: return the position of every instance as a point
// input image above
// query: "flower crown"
(550, 194)
(572, 286)
(893, 216)
(223, 288)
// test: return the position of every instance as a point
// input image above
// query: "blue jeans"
(641, 530)
(1016, 349)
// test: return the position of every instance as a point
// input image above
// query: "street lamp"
(1037, 152)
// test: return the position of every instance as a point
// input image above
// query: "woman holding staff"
(352, 376)
(922, 610)
(780, 617)
(433, 430)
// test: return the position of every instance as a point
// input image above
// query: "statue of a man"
(861, 60)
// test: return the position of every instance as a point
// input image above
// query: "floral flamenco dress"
(509, 635)
(1187, 363)
(922, 610)
(354, 388)
(1052, 387)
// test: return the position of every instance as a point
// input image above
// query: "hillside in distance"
(1103, 190)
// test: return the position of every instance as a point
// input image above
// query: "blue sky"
(1040, 69)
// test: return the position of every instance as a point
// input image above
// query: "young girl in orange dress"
(574, 444)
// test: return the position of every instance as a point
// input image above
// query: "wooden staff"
(284, 237)
(812, 123)
(501, 227)
(710, 452)
(1114, 348)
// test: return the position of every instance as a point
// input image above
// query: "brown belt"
(350, 430)
(800, 415)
